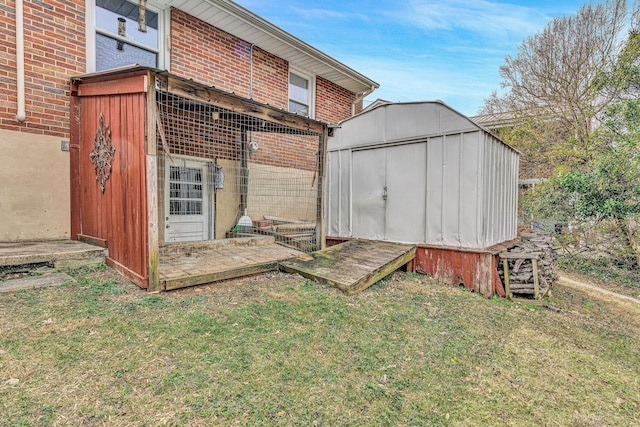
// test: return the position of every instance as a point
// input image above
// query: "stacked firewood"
(531, 245)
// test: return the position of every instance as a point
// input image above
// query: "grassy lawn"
(280, 350)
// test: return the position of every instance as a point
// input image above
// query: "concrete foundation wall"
(34, 187)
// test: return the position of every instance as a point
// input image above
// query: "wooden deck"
(353, 265)
(197, 263)
(58, 253)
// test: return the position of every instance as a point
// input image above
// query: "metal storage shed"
(420, 172)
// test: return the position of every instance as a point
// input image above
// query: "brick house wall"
(55, 50)
(213, 57)
(333, 103)
(54, 33)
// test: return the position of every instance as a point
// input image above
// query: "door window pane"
(185, 191)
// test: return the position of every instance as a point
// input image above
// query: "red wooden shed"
(186, 184)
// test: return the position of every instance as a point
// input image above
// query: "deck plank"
(353, 265)
(183, 264)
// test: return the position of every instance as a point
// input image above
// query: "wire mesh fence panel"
(224, 174)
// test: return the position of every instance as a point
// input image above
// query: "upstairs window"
(118, 39)
(300, 94)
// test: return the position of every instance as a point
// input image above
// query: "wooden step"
(56, 253)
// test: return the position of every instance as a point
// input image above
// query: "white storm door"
(187, 201)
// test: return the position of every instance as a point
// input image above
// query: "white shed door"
(369, 194)
(406, 193)
(389, 194)
(187, 201)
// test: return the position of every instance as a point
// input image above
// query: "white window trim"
(164, 22)
(312, 89)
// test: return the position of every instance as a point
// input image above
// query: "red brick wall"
(333, 102)
(213, 57)
(54, 50)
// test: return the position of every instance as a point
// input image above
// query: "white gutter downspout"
(251, 72)
(360, 98)
(21, 116)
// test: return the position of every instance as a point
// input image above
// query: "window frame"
(91, 29)
(312, 89)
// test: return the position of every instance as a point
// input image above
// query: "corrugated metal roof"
(242, 23)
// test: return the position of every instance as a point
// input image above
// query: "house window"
(300, 94)
(117, 40)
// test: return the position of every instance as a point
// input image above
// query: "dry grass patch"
(279, 350)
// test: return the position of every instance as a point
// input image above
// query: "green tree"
(606, 190)
(574, 89)
(552, 82)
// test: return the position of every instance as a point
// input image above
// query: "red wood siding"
(477, 271)
(118, 216)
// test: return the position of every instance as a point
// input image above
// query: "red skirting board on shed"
(477, 271)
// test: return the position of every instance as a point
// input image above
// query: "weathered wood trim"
(515, 255)
(153, 214)
(507, 285)
(96, 241)
(321, 225)
(536, 284)
(495, 276)
(236, 104)
(151, 146)
(125, 85)
(129, 274)
(153, 239)
(200, 279)
(74, 163)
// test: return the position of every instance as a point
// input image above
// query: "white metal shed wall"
(421, 173)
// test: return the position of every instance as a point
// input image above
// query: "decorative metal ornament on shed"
(102, 153)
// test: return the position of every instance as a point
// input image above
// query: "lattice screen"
(224, 174)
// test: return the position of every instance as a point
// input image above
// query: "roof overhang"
(246, 25)
(266, 117)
